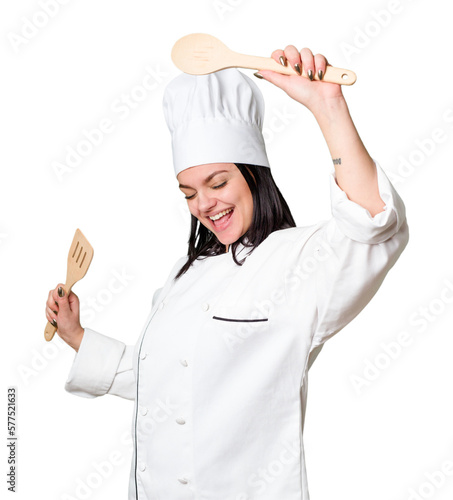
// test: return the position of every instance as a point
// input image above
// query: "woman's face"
(213, 188)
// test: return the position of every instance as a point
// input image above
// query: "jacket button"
(161, 305)
(143, 355)
(183, 480)
(143, 410)
(180, 421)
(205, 306)
(142, 466)
(183, 362)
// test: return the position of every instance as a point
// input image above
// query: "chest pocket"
(241, 324)
(240, 320)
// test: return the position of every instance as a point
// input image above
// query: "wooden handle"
(50, 330)
(332, 74)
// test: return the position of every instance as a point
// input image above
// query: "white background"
(67, 75)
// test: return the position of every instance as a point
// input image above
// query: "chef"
(218, 374)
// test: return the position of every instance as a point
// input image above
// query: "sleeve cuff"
(95, 365)
(356, 222)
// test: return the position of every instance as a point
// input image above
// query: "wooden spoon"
(200, 54)
(79, 260)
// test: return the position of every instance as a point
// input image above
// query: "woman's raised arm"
(355, 170)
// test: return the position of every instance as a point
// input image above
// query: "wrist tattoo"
(337, 161)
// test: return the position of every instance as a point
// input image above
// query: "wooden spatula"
(79, 260)
(200, 54)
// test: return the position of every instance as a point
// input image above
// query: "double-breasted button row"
(182, 480)
(180, 420)
(143, 410)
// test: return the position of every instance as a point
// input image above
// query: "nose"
(206, 202)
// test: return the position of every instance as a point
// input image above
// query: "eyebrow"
(208, 178)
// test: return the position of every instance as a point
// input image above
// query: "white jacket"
(219, 372)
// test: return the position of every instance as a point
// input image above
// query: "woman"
(219, 373)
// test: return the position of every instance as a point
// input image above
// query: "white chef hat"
(215, 118)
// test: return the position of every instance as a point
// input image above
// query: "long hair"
(270, 213)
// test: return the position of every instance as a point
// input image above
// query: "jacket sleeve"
(103, 365)
(357, 253)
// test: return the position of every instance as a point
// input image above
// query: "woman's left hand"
(310, 93)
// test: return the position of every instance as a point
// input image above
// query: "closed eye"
(214, 187)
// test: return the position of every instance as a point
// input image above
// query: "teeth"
(221, 214)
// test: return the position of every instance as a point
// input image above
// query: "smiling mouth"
(222, 221)
(221, 214)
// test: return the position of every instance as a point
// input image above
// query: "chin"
(228, 240)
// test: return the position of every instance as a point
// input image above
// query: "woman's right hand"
(63, 312)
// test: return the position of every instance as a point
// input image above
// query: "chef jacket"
(218, 375)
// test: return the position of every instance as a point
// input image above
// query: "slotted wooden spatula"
(79, 260)
(200, 54)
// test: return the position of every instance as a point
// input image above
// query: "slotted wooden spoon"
(79, 260)
(200, 54)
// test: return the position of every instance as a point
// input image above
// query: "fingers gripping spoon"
(200, 54)
(79, 260)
